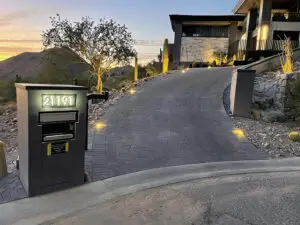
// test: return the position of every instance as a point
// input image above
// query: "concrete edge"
(65, 203)
(226, 99)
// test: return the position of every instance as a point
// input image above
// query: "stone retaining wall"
(272, 95)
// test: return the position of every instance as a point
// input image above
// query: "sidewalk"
(245, 192)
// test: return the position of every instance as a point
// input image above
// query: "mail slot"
(52, 129)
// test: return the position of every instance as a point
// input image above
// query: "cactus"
(294, 136)
(286, 58)
(166, 57)
(136, 69)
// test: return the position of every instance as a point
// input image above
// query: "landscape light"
(183, 71)
(239, 133)
(132, 91)
(209, 67)
(100, 125)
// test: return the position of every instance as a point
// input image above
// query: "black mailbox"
(52, 129)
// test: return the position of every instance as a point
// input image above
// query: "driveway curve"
(169, 122)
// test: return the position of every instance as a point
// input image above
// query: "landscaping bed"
(270, 125)
(271, 138)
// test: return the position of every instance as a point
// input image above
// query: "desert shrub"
(286, 58)
(7, 91)
(153, 68)
(181, 67)
(220, 57)
(197, 64)
(125, 84)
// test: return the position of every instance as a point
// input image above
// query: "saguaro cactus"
(136, 69)
(166, 56)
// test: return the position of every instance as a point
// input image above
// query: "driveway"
(169, 122)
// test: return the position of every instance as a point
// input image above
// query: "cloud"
(18, 49)
(19, 41)
(9, 18)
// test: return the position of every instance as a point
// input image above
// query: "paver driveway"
(168, 122)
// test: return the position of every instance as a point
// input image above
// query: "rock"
(266, 145)
(262, 134)
(13, 130)
(294, 136)
(14, 120)
(273, 116)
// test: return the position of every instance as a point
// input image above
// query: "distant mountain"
(58, 63)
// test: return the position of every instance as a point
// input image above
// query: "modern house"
(267, 24)
(198, 37)
(257, 29)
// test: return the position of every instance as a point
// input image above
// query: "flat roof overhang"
(243, 6)
(205, 18)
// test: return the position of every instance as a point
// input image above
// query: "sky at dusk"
(22, 21)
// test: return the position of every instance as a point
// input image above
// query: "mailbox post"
(52, 129)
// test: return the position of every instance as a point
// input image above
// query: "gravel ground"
(9, 129)
(271, 138)
(268, 137)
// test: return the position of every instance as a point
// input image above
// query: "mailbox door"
(57, 162)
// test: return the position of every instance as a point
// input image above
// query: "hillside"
(30, 66)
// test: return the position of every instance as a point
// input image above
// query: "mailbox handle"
(58, 137)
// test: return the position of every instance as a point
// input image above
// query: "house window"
(205, 31)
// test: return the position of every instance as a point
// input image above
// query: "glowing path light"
(100, 125)
(239, 133)
(132, 91)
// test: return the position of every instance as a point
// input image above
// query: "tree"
(103, 45)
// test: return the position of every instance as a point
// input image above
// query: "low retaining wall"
(270, 63)
(245, 88)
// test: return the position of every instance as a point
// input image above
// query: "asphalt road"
(169, 122)
(249, 199)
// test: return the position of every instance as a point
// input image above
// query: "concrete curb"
(65, 203)
(226, 99)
